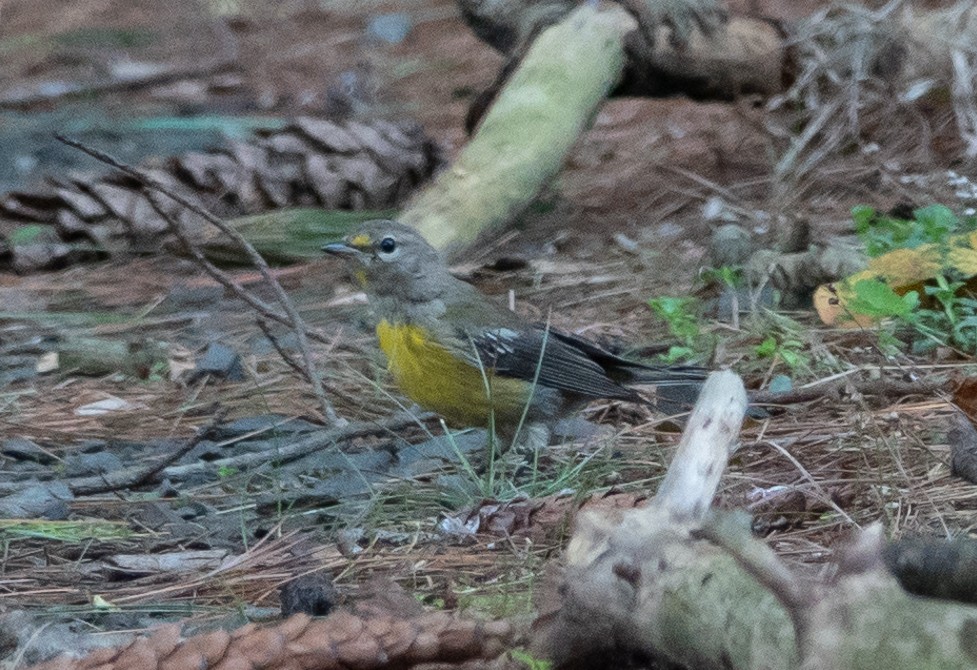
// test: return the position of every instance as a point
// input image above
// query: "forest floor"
(629, 219)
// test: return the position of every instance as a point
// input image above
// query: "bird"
(457, 352)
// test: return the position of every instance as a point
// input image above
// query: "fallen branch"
(825, 75)
(142, 475)
(128, 478)
(834, 389)
(295, 450)
(522, 142)
(124, 478)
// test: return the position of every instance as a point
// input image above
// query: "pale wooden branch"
(596, 50)
(523, 140)
(709, 439)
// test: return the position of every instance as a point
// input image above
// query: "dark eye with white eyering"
(387, 245)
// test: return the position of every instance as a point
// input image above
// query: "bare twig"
(285, 356)
(300, 448)
(297, 323)
(215, 272)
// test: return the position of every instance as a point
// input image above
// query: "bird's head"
(392, 260)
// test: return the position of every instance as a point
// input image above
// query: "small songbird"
(475, 362)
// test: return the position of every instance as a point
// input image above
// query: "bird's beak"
(343, 250)
(339, 249)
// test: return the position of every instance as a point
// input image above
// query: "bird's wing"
(533, 353)
(497, 339)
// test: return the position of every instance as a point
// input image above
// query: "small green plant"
(942, 313)
(727, 275)
(227, 471)
(950, 319)
(881, 233)
(681, 316)
(787, 349)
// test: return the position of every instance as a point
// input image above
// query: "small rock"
(265, 424)
(167, 490)
(731, 246)
(391, 28)
(220, 361)
(58, 510)
(205, 450)
(579, 428)
(193, 511)
(98, 463)
(314, 595)
(156, 516)
(32, 501)
(780, 384)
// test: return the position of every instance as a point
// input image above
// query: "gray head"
(393, 261)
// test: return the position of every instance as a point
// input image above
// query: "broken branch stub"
(639, 581)
(709, 438)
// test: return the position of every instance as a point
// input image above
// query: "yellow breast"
(431, 376)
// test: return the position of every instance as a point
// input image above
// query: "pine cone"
(347, 165)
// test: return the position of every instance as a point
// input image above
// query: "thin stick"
(882, 387)
(215, 272)
(297, 449)
(298, 324)
(289, 360)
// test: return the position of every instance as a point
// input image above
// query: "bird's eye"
(387, 245)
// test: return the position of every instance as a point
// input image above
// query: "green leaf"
(862, 216)
(680, 314)
(767, 348)
(876, 299)
(791, 357)
(936, 221)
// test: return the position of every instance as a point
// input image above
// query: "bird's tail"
(664, 375)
